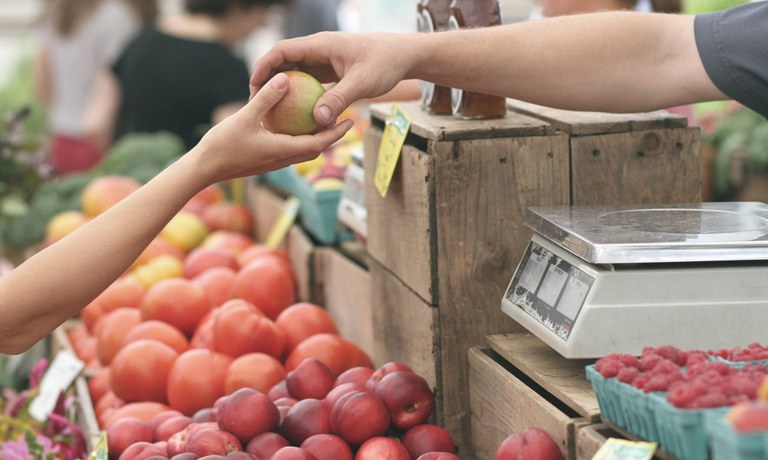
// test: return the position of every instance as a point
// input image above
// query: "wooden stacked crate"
(447, 237)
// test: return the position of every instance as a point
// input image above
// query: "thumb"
(335, 100)
(268, 95)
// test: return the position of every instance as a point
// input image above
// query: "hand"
(364, 65)
(240, 146)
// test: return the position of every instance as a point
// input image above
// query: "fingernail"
(279, 81)
(325, 114)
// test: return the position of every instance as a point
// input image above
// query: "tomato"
(303, 320)
(160, 331)
(196, 380)
(268, 284)
(144, 410)
(241, 328)
(177, 301)
(112, 331)
(334, 351)
(253, 370)
(139, 372)
(218, 283)
(98, 384)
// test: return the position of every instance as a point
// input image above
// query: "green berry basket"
(728, 444)
(682, 432)
(613, 406)
(640, 414)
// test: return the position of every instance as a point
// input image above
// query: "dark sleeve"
(733, 45)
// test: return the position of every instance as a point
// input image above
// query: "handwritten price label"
(621, 449)
(397, 125)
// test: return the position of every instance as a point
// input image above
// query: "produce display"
(685, 399)
(201, 348)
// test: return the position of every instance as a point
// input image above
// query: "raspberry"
(658, 382)
(694, 357)
(669, 352)
(627, 374)
(608, 367)
(681, 395)
(709, 400)
(665, 366)
(649, 361)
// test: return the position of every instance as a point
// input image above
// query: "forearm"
(51, 286)
(614, 61)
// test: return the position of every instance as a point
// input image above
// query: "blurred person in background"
(183, 74)
(306, 17)
(79, 38)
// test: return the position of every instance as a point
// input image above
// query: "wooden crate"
(451, 230)
(86, 415)
(346, 285)
(520, 382)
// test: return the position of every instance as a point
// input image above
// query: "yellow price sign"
(621, 449)
(397, 125)
(100, 450)
(283, 223)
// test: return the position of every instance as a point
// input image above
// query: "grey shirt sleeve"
(733, 45)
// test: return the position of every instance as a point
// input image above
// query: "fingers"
(268, 95)
(334, 101)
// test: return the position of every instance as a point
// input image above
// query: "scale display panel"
(610, 279)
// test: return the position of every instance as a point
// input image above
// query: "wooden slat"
(301, 250)
(564, 378)
(445, 127)
(660, 166)
(348, 299)
(400, 225)
(577, 123)
(483, 187)
(502, 404)
(405, 327)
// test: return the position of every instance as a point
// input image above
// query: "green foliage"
(141, 155)
(741, 136)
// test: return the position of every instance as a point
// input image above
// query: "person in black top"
(182, 75)
(609, 62)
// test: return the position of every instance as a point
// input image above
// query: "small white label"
(63, 371)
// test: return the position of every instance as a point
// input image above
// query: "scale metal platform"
(612, 279)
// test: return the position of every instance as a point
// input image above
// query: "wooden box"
(520, 382)
(451, 230)
(346, 285)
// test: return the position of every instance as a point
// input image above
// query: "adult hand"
(240, 146)
(363, 65)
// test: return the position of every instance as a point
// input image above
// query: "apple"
(529, 444)
(212, 442)
(380, 447)
(263, 446)
(103, 192)
(293, 113)
(310, 379)
(359, 415)
(185, 456)
(748, 416)
(292, 453)
(239, 455)
(171, 426)
(141, 450)
(358, 374)
(232, 242)
(407, 397)
(185, 230)
(388, 368)
(437, 456)
(62, 224)
(206, 414)
(337, 392)
(127, 431)
(327, 447)
(306, 418)
(247, 413)
(161, 417)
(427, 438)
(278, 390)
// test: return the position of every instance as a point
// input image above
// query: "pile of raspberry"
(691, 379)
(752, 352)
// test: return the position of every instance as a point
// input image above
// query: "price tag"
(63, 371)
(100, 449)
(283, 223)
(621, 449)
(397, 125)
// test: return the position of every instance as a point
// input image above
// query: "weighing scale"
(612, 279)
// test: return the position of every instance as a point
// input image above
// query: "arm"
(56, 283)
(613, 61)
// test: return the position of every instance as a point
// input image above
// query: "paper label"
(395, 131)
(621, 449)
(283, 223)
(63, 371)
(100, 451)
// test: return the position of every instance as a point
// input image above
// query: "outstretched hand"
(362, 66)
